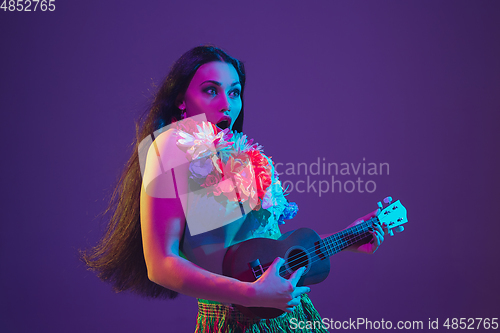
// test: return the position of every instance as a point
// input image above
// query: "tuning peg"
(388, 200)
(379, 204)
(391, 233)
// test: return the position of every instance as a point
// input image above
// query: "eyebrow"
(220, 84)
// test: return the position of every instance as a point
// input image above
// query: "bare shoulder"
(165, 143)
(158, 166)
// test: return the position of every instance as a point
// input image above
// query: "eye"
(212, 91)
(235, 93)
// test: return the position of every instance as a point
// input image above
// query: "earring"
(183, 113)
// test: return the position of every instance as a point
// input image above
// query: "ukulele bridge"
(257, 269)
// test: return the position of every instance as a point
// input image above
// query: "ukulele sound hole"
(297, 257)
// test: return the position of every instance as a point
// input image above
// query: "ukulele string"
(360, 235)
(316, 258)
(328, 245)
(325, 245)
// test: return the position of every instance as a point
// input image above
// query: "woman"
(170, 229)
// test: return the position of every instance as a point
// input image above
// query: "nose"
(225, 104)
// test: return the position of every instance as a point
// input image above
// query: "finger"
(386, 229)
(276, 265)
(378, 228)
(296, 276)
(274, 268)
(358, 221)
(294, 302)
(380, 237)
(300, 290)
(377, 238)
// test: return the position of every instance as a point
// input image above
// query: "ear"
(181, 104)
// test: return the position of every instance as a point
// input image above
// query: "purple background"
(412, 83)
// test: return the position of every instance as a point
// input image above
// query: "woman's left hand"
(370, 244)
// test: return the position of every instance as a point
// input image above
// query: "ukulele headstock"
(393, 215)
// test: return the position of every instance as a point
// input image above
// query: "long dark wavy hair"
(118, 258)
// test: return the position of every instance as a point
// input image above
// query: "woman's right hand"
(274, 291)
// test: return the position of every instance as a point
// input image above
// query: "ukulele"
(248, 260)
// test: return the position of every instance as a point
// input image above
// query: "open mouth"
(224, 123)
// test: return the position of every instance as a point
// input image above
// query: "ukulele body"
(299, 248)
